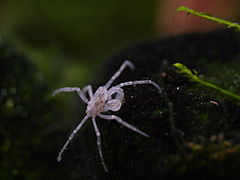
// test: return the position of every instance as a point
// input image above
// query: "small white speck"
(214, 102)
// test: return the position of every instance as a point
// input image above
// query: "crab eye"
(113, 105)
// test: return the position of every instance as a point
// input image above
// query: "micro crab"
(105, 99)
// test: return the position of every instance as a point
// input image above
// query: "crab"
(105, 99)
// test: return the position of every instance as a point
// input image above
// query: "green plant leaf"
(182, 69)
(208, 16)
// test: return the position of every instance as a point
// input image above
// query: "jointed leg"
(88, 89)
(117, 74)
(71, 89)
(99, 144)
(71, 137)
(119, 120)
(131, 83)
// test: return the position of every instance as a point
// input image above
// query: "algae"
(185, 119)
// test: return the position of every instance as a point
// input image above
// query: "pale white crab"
(103, 100)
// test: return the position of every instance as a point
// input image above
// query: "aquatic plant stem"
(209, 17)
(193, 76)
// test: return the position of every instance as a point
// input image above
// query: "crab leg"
(71, 89)
(119, 120)
(120, 70)
(71, 137)
(99, 144)
(132, 83)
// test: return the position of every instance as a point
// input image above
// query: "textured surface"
(191, 136)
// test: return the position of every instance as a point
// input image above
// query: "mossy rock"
(30, 121)
(195, 130)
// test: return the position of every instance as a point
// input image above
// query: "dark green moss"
(183, 120)
(191, 136)
(31, 126)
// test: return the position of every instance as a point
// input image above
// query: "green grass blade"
(182, 69)
(209, 17)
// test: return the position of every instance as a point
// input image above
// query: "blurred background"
(65, 43)
(68, 40)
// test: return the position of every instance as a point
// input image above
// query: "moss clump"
(183, 120)
(205, 160)
(31, 126)
(194, 129)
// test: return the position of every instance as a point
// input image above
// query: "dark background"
(68, 40)
(46, 45)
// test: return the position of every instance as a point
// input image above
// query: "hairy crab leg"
(132, 83)
(117, 74)
(88, 89)
(71, 137)
(99, 144)
(119, 120)
(71, 89)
